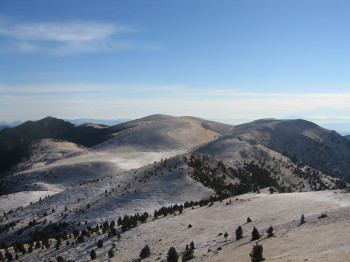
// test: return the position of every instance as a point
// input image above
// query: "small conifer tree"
(255, 234)
(60, 259)
(145, 252)
(239, 233)
(99, 243)
(302, 219)
(93, 254)
(188, 255)
(270, 232)
(172, 255)
(110, 253)
(58, 243)
(192, 245)
(8, 255)
(37, 245)
(257, 253)
(249, 220)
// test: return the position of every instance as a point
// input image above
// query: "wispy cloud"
(51, 89)
(116, 101)
(67, 38)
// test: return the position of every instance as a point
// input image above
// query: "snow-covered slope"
(327, 238)
(301, 140)
(163, 133)
(145, 189)
(55, 166)
(290, 174)
(160, 160)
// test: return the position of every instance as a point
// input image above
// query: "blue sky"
(211, 59)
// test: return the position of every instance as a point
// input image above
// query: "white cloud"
(65, 38)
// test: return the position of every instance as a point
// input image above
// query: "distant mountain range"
(4, 125)
(11, 124)
(79, 121)
(108, 122)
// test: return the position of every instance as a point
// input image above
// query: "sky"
(233, 59)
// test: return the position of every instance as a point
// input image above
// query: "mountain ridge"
(166, 170)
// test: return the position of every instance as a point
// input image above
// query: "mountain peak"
(157, 117)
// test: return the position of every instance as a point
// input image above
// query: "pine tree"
(249, 220)
(60, 259)
(58, 243)
(225, 235)
(188, 255)
(302, 219)
(239, 233)
(257, 253)
(80, 239)
(110, 253)
(99, 243)
(270, 232)
(172, 255)
(37, 245)
(93, 254)
(145, 252)
(192, 245)
(8, 255)
(113, 231)
(255, 234)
